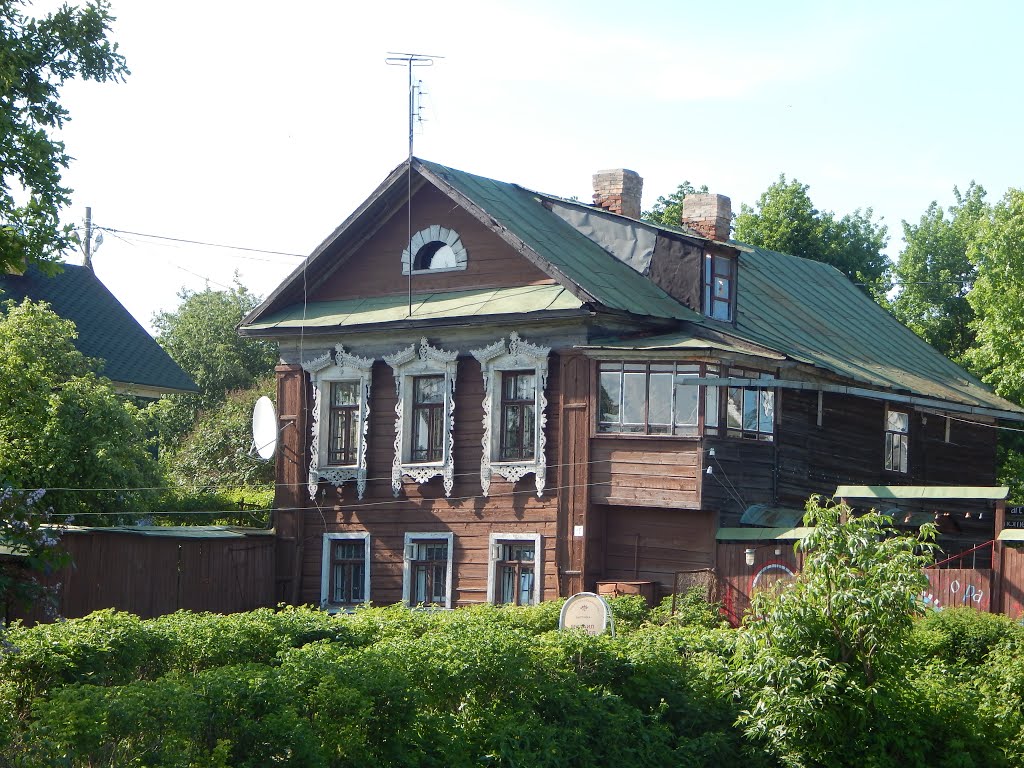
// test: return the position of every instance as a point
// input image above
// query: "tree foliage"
(216, 452)
(668, 211)
(822, 661)
(786, 220)
(27, 533)
(935, 273)
(200, 335)
(37, 57)
(62, 425)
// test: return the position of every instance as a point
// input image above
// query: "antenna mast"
(410, 60)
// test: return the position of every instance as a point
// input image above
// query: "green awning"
(762, 534)
(922, 492)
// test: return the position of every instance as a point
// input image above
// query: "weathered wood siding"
(742, 474)
(155, 575)
(737, 581)
(645, 472)
(376, 268)
(646, 544)
(1011, 588)
(848, 448)
(959, 588)
(510, 507)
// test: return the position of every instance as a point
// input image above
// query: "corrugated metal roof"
(610, 281)
(811, 312)
(106, 330)
(179, 531)
(426, 306)
(762, 534)
(681, 341)
(921, 492)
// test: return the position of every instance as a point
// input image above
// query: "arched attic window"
(435, 249)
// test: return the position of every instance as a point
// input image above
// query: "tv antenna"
(410, 60)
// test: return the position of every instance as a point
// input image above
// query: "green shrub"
(963, 635)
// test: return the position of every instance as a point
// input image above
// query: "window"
(427, 570)
(427, 418)
(425, 414)
(435, 249)
(515, 375)
(651, 398)
(897, 437)
(750, 410)
(341, 407)
(719, 286)
(515, 569)
(345, 570)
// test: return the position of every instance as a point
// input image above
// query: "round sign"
(588, 612)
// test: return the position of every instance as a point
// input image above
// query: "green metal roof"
(179, 531)
(812, 312)
(106, 330)
(762, 534)
(921, 492)
(677, 341)
(429, 306)
(613, 283)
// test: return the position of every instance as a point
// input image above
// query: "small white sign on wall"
(588, 612)
(577, 531)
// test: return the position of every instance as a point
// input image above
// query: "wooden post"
(996, 598)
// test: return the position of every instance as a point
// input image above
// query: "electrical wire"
(187, 241)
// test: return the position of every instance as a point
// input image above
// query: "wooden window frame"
(712, 270)
(428, 236)
(350, 413)
(743, 433)
(893, 438)
(327, 570)
(326, 370)
(679, 369)
(527, 437)
(408, 364)
(517, 356)
(409, 564)
(494, 562)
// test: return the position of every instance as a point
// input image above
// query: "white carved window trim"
(325, 567)
(519, 355)
(414, 538)
(407, 364)
(494, 555)
(323, 371)
(435, 233)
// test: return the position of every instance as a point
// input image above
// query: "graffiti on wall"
(958, 588)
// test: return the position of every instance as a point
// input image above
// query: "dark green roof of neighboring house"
(106, 330)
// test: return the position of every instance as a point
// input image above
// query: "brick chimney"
(709, 214)
(618, 191)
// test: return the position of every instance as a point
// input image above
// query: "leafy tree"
(935, 274)
(786, 220)
(997, 298)
(37, 57)
(25, 531)
(668, 211)
(200, 335)
(821, 662)
(62, 425)
(216, 451)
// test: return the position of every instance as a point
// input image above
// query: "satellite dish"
(264, 428)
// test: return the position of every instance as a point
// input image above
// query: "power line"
(201, 242)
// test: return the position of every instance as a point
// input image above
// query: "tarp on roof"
(772, 517)
(426, 306)
(106, 330)
(922, 492)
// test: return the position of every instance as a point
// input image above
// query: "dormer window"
(719, 286)
(435, 249)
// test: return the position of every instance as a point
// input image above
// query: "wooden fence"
(152, 571)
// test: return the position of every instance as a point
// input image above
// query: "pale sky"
(264, 124)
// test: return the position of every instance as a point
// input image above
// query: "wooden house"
(492, 394)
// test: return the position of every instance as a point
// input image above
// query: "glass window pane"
(904, 448)
(734, 408)
(526, 386)
(750, 410)
(357, 583)
(611, 391)
(529, 432)
(511, 430)
(421, 433)
(720, 310)
(710, 406)
(767, 417)
(428, 389)
(687, 399)
(508, 585)
(339, 584)
(722, 288)
(634, 396)
(897, 421)
(437, 417)
(345, 393)
(659, 407)
(526, 586)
